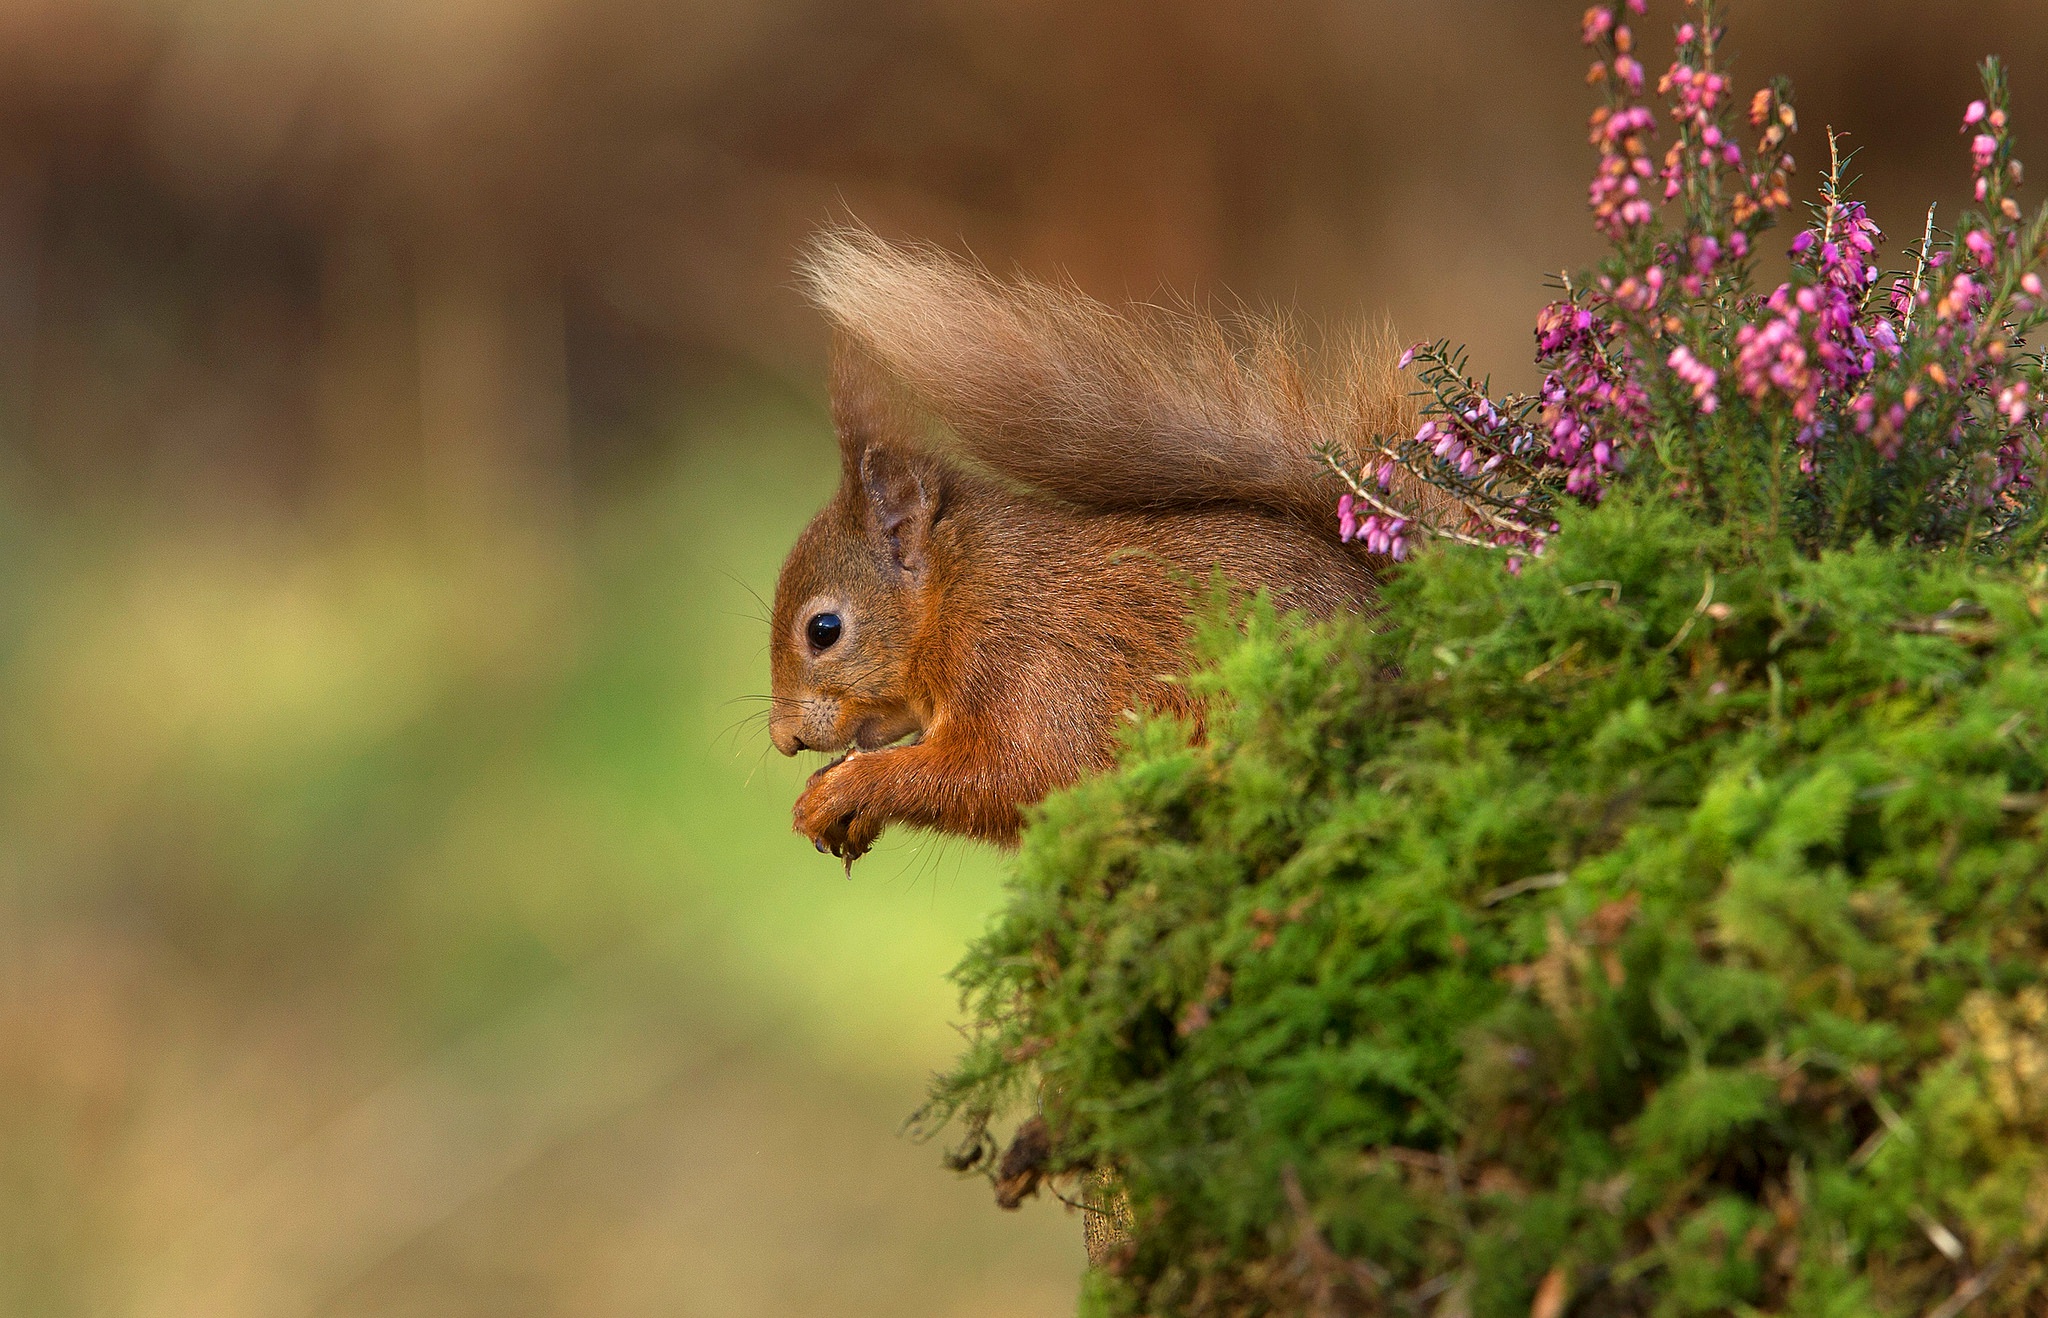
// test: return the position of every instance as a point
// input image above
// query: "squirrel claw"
(829, 814)
(839, 839)
(846, 840)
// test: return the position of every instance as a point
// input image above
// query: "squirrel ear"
(903, 497)
(875, 431)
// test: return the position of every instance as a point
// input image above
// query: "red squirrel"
(1031, 486)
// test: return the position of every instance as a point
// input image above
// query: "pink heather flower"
(1409, 356)
(1696, 373)
(1959, 300)
(1386, 476)
(1347, 518)
(1592, 389)
(1813, 350)
(1811, 342)
(2013, 402)
(1615, 194)
(1384, 535)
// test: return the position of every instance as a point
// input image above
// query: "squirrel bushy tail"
(1145, 410)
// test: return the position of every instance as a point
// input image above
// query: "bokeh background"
(403, 408)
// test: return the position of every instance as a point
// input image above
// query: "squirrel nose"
(786, 738)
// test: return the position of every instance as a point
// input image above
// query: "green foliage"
(1666, 924)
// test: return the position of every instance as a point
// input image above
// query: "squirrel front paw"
(830, 815)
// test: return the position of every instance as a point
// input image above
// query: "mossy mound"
(1661, 931)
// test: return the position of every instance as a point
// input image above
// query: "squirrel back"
(981, 603)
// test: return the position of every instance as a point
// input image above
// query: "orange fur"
(1011, 584)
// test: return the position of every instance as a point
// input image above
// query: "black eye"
(823, 630)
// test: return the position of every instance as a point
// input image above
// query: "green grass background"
(404, 919)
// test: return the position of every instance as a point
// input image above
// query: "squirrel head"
(858, 583)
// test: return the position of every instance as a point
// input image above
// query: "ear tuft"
(867, 407)
(903, 497)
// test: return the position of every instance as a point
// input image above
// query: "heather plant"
(1658, 926)
(1845, 402)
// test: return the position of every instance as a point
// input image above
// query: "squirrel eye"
(823, 630)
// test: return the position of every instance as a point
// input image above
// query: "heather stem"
(1919, 273)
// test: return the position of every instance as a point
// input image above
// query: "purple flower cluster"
(1621, 131)
(1485, 452)
(1766, 184)
(1698, 375)
(1963, 329)
(1617, 191)
(1704, 257)
(1590, 394)
(1934, 382)
(1812, 342)
(1484, 429)
(1697, 96)
(1378, 532)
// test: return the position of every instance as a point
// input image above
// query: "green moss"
(1673, 917)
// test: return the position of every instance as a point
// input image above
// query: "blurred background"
(404, 408)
